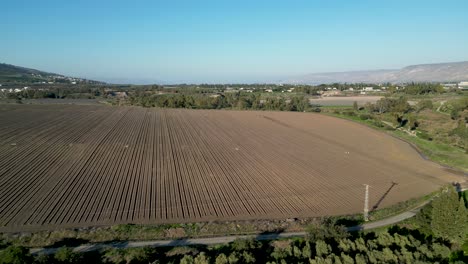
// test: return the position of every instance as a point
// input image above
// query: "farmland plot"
(75, 166)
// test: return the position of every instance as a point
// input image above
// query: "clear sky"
(228, 41)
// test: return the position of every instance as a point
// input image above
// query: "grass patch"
(438, 152)
(400, 207)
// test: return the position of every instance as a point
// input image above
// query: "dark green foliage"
(449, 216)
(424, 104)
(424, 135)
(238, 100)
(461, 220)
(424, 218)
(326, 230)
(135, 255)
(391, 105)
(15, 255)
(322, 248)
(397, 245)
(66, 255)
(221, 259)
(365, 116)
(423, 88)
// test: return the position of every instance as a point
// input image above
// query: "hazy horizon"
(235, 42)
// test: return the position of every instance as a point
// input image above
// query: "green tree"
(322, 248)
(66, 255)
(385, 239)
(445, 214)
(461, 220)
(248, 257)
(388, 256)
(326, 229)
(441, 251)
(201, 259)
(233, 258)
(221, 259)
(345, 259)
(360, 259)
(15, 255)
(187, 259)
(306, 250)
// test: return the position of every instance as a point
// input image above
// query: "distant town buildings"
(460, 85)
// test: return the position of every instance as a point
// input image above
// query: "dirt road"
(222, 239)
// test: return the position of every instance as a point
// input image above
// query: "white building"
(368, 89)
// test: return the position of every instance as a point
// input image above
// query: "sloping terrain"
(438, 72)
(16, 74)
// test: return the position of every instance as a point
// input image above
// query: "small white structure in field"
(463, 85)
(269, 90)
(368, 89)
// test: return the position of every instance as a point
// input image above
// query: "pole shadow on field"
(383, 196)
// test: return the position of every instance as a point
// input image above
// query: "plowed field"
(73, 166)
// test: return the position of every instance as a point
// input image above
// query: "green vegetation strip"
(443, 154)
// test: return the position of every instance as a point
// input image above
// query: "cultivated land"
(74, 166)
(344, 100)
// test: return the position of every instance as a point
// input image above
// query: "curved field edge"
(452, 158)
(272, 120)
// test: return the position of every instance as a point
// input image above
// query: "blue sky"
(228, 41)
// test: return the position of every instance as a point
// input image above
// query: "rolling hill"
(16, 74)
(439, 72)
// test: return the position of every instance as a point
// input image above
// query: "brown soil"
(75, 166)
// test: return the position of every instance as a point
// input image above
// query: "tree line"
(438, 234)
(237, 100)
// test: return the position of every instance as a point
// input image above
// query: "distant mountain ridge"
(437, 72)
(16, 74)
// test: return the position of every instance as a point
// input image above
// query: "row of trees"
(56, 93)
(438, 236)
(422, 88)
(237, 100)
(446, 217)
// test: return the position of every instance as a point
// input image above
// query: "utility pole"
(366, 204)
